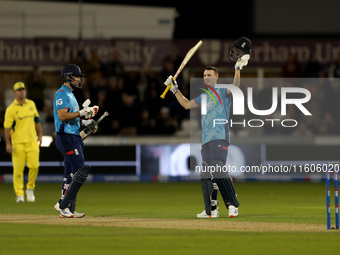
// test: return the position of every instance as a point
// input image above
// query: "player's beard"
(78, 83)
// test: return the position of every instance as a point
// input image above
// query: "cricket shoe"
(75, 214)
(78, 215)
(20, 199)
(233, 211)
(204, 215)
(30, 195)
(66, 213)
(56, 207)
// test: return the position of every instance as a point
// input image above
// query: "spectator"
(291, 67)
(331, 102)
(96, 71)
(165, 124)
(313, 67)
(327, 125)
(154, 103)
(142, 89)
(115, 127)
(104, 105)
(168, 68)
(302, 130)
(174, 57)
(146, 125)
(82, 61)
(335, 68)
(114, 67)
(129, 114)
(36, 85)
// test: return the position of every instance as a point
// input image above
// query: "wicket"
(336, 197)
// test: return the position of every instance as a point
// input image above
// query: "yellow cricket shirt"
(21, 120)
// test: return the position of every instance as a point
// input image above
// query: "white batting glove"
(89, 112)
(172, 81)
(242, 62)
(87, 122)
(90, 125)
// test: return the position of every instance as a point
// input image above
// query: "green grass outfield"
(286, 204)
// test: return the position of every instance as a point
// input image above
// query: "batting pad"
(78, 180)
(227, 190)
(207, 189)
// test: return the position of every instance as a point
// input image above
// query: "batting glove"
(171, 81)
(87, 122)
(242, 62)
(90, 125)
(89, 112)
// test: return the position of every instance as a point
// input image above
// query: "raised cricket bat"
(186, 59)
(88, 130)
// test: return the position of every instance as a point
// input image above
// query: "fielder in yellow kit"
(23, 136)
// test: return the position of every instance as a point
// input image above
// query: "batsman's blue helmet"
(240, 47)
(68, 73)
(71, 69)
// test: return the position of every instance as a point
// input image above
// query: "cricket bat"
(90, 128)
(186, 59)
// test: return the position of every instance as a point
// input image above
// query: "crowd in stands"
(324, 85)
(133, 97)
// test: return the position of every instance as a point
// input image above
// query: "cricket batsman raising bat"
(215, 140)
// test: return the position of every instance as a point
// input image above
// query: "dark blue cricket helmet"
(68, 73)
(240, 47)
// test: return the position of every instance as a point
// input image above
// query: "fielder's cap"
(18, 85)
(243, 44)
(71, 69)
